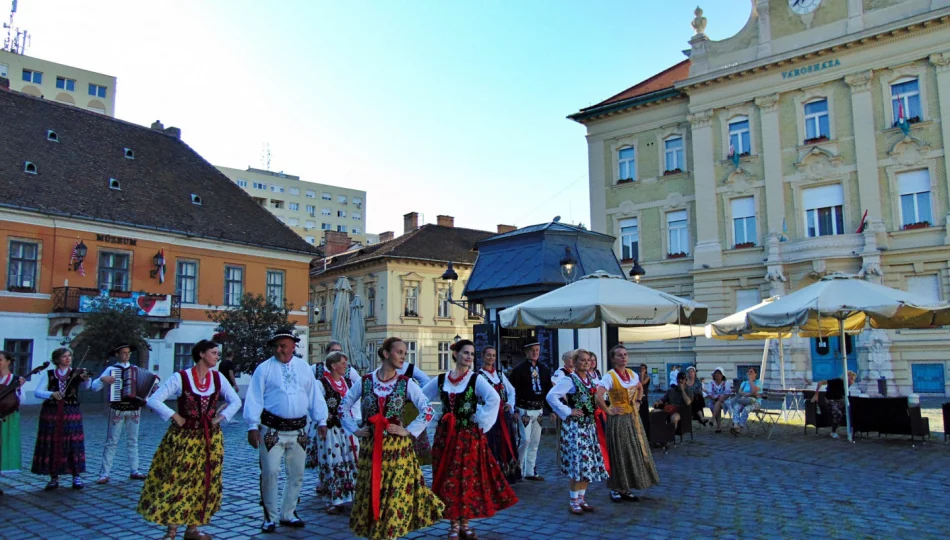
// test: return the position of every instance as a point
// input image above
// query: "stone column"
(941, 62)
(597, 185)
(772, 159)
(869, 185)
(708, 249)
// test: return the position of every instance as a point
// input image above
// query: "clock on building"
(802, 7)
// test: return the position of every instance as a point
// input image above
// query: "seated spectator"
(678, 396)
(699, 404)
(834, 395)
(746, 401)
(717, 394)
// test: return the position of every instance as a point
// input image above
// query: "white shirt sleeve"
(231, 396)
(351, 403)
(420, 376)
(96, 384)
(562, 388)
(431, 389)
(509, 389)
(557, 376)
(254, 399)
(417, 426)
(354, 377)
(172, 387)
(41, 392)
(486, 414)
(606, 382)
(318, 404)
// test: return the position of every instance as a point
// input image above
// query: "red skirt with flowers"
(472, 484)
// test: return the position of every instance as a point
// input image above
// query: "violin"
(9, 401)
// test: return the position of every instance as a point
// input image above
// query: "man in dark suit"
(532, 382)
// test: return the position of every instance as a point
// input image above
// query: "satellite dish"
(557, 219)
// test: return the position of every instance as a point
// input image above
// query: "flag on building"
(733, 155)
(863, 224)
(902, 118)
(161, 269)
(784, 237)
(74, 258)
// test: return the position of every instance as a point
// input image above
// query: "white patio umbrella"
(600, 298)
(357, 336)
(340, 323)
(845, 304)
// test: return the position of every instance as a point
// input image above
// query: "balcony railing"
(81, 300)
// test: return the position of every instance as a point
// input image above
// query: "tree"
(246, 327)
(110, 324)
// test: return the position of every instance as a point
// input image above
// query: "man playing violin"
(9, 424)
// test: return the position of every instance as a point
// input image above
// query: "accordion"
(132, 385)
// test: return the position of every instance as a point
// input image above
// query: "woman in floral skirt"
(184, 483)
(503, 437)
(465, 474)
(335, 453)
(60, 440)
(391, 498)
(582, 460)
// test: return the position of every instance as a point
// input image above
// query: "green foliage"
(246, 327)
(109, 325)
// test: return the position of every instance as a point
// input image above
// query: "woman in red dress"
(465, 474)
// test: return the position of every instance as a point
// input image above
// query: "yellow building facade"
(58, 82)
(747, 170)
(306, 207)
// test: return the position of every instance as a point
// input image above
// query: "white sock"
(581, 493)
(573, 495)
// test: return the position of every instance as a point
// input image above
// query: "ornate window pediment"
(818, 164)
(909, 151)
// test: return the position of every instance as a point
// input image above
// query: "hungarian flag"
(74, 258)
(864, 223)
(733, 156)
(902, 118)
(161, 269)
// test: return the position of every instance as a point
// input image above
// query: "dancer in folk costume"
(503, 436)
(630, 459)
(391, 499)
(466, 476)
(60, 441)
(321, 367)
(532, 382)
(123, 416)
(335, 454)
(183, 486)
(582, 459)
(420, 442)
(10, 425)
(282, 394)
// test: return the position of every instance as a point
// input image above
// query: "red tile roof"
(661, 81)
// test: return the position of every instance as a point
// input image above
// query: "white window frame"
(357, 216)
(241, 182)
(412, 352)
(681, 229)
(274, 286)
(309, 224)
(370, 301)
(410, 303)
(739, 132)
(355, 230)
(628, 165)
(744, 296)
(678, 154)
(905, 189)
(114, 270)
(341, 199)
(293, 222)
(181, 289)
(311, 210)
(744, 217)
(443, 307)
(294, 191)
(33, 73)
(277, 188)
(326, 226)
(326, 212)
(445, 355)
(66, 81)
(294, 207)
(905, 98)
(260, 185)
(816, 117)
(629, 237)
(311, 239)
(341, 228)
(822, 192)
(326, 196)
(24, 262)
(310, 194)
(233, 288)
(341, 213)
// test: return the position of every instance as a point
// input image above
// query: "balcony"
(72, 304)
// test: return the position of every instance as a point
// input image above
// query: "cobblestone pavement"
(715, 486)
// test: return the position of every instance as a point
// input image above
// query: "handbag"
(669, 409)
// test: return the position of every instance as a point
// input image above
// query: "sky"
(439, 107)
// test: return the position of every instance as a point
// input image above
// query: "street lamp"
(159, 261)
(80, 251)
(458, 338)
(451, 276)
(568, 266)
(637, 271)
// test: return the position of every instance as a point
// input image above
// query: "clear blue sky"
(440, 107)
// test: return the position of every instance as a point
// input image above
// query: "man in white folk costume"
(281, 396)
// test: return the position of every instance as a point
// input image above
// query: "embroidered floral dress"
(335, 455)
(581, 457)
(391, 497)
(465, 474)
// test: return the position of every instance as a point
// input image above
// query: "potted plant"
(747, 153)
(918, 225)
(744, 245)
(119, 293)
(678, 255)
(624, 181)
(818, 139)
(18, 289)
(672, 171)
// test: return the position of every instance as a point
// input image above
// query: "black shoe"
(53, 484)
(268, 527)
(293, 523)
(77, 483)
(629, 497)
(615, 497)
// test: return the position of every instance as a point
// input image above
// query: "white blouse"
(355, 411)
(608, 381)
(383, 389)
(564, 387)
(351, 373)
(41, 391)
(173, 387)
(509, 389)
(486, 413)
(417, 374)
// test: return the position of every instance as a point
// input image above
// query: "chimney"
(336, 243)
(158, 125)
(173, 131)
(445, 221)
(386, 236)
(502, 229)
(410, 222)
(4, 82)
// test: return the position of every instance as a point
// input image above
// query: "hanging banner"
(148, 305)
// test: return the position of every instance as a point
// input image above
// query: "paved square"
(716, 486)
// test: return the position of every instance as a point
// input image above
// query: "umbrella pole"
(847, 389)
(765, 356)
(781, 367)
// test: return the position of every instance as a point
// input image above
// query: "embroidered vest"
(395, 401)
(462, 404)
(582, 398)
(71, 394)
(197, 409)
(334, 401)
(499, 387)
(620, 396)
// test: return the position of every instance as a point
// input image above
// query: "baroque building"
(810, 142)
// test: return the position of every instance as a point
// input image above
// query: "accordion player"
(133, 386)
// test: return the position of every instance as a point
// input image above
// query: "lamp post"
(81, 251)
(159, 261)
(451, 276)
(568, 266)
(637, 271)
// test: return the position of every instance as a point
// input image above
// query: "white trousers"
(129, 420)
(530, 440)
(295, 457)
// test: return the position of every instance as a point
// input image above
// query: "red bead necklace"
(338, 387)
(624, 375)
(201, 386)
(456, 380)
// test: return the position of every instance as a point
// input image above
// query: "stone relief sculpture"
(699, 23)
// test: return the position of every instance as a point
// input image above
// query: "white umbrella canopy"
(340, 323)
(731, 327)
(846, 304)
(603, 298)
(357, 336)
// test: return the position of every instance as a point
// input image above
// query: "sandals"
(171, 535)
(195, 534)
(576, 507)
(584, 506)
(53, 484)
(465, 532)
(454, 531)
